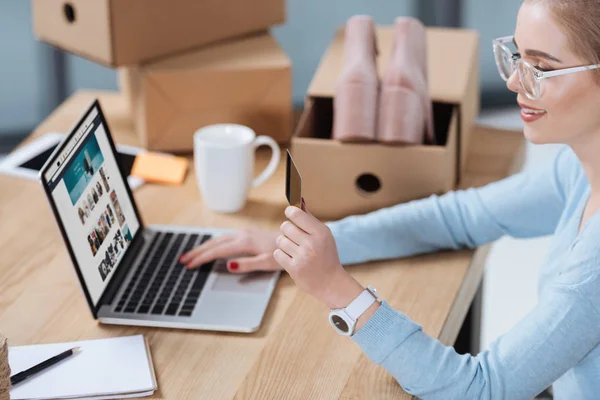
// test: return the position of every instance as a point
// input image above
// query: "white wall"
(492, 19)
(21, 96)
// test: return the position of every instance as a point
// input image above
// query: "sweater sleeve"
(527, 204)
(550, 340)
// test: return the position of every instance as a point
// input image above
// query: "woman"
(558, 341)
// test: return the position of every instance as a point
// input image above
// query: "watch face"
(339, 323)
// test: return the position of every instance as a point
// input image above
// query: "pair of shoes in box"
(396, 110)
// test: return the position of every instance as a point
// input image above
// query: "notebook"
(103, 369)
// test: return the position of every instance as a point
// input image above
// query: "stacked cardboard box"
(184, 63)
(245, 81)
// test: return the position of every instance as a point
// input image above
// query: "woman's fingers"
(282, 258)
(261, 262)
(302, 220)
(223, 250)
(289, 247)
(186, 257)
(294, 233)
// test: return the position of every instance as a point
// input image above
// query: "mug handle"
(275, 158)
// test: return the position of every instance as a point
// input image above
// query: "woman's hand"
(306, 250)
(255, 245)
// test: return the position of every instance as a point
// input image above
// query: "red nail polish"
(233, 266)
(180, 258)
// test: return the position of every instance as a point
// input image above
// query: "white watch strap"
(361, 303)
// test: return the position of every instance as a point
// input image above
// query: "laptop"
(129, 272)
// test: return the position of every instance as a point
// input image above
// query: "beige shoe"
(357, 89)
(405, 110)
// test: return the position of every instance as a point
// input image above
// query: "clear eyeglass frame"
(529, 76)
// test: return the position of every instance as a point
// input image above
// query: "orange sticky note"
(160, 168)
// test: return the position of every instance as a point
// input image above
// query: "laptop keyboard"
(161, 285)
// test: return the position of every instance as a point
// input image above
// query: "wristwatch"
(344, 320)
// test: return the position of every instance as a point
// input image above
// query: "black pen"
(21, 376)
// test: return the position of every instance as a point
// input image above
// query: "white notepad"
(103, 369)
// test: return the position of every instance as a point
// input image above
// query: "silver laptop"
(130, 272)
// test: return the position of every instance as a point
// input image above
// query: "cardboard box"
(247, 81)
(341, 179)
(127, 32)
(495, 151)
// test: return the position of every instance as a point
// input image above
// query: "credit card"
(293, 183)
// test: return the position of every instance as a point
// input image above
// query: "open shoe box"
(340, 179)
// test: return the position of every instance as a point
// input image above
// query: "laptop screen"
(92, 203)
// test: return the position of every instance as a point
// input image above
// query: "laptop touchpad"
(253, 282)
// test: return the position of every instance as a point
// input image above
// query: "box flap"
(452, 49)
(251, 52)
(495, 151)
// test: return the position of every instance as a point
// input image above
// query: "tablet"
(27, 161)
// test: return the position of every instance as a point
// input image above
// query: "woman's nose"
(513, 83)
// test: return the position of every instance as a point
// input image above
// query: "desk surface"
(295, 354)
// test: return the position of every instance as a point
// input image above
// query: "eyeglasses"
(529, 76)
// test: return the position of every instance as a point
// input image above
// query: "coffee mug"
(224, 162)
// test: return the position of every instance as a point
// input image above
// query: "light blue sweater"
(557, 342)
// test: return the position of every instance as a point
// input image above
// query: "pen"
(21, 376)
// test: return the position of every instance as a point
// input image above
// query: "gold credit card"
(293, 183)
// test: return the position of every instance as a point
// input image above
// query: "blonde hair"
(580, 20)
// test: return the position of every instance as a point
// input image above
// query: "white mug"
(224, 162)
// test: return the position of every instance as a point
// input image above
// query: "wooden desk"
(296, 354)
